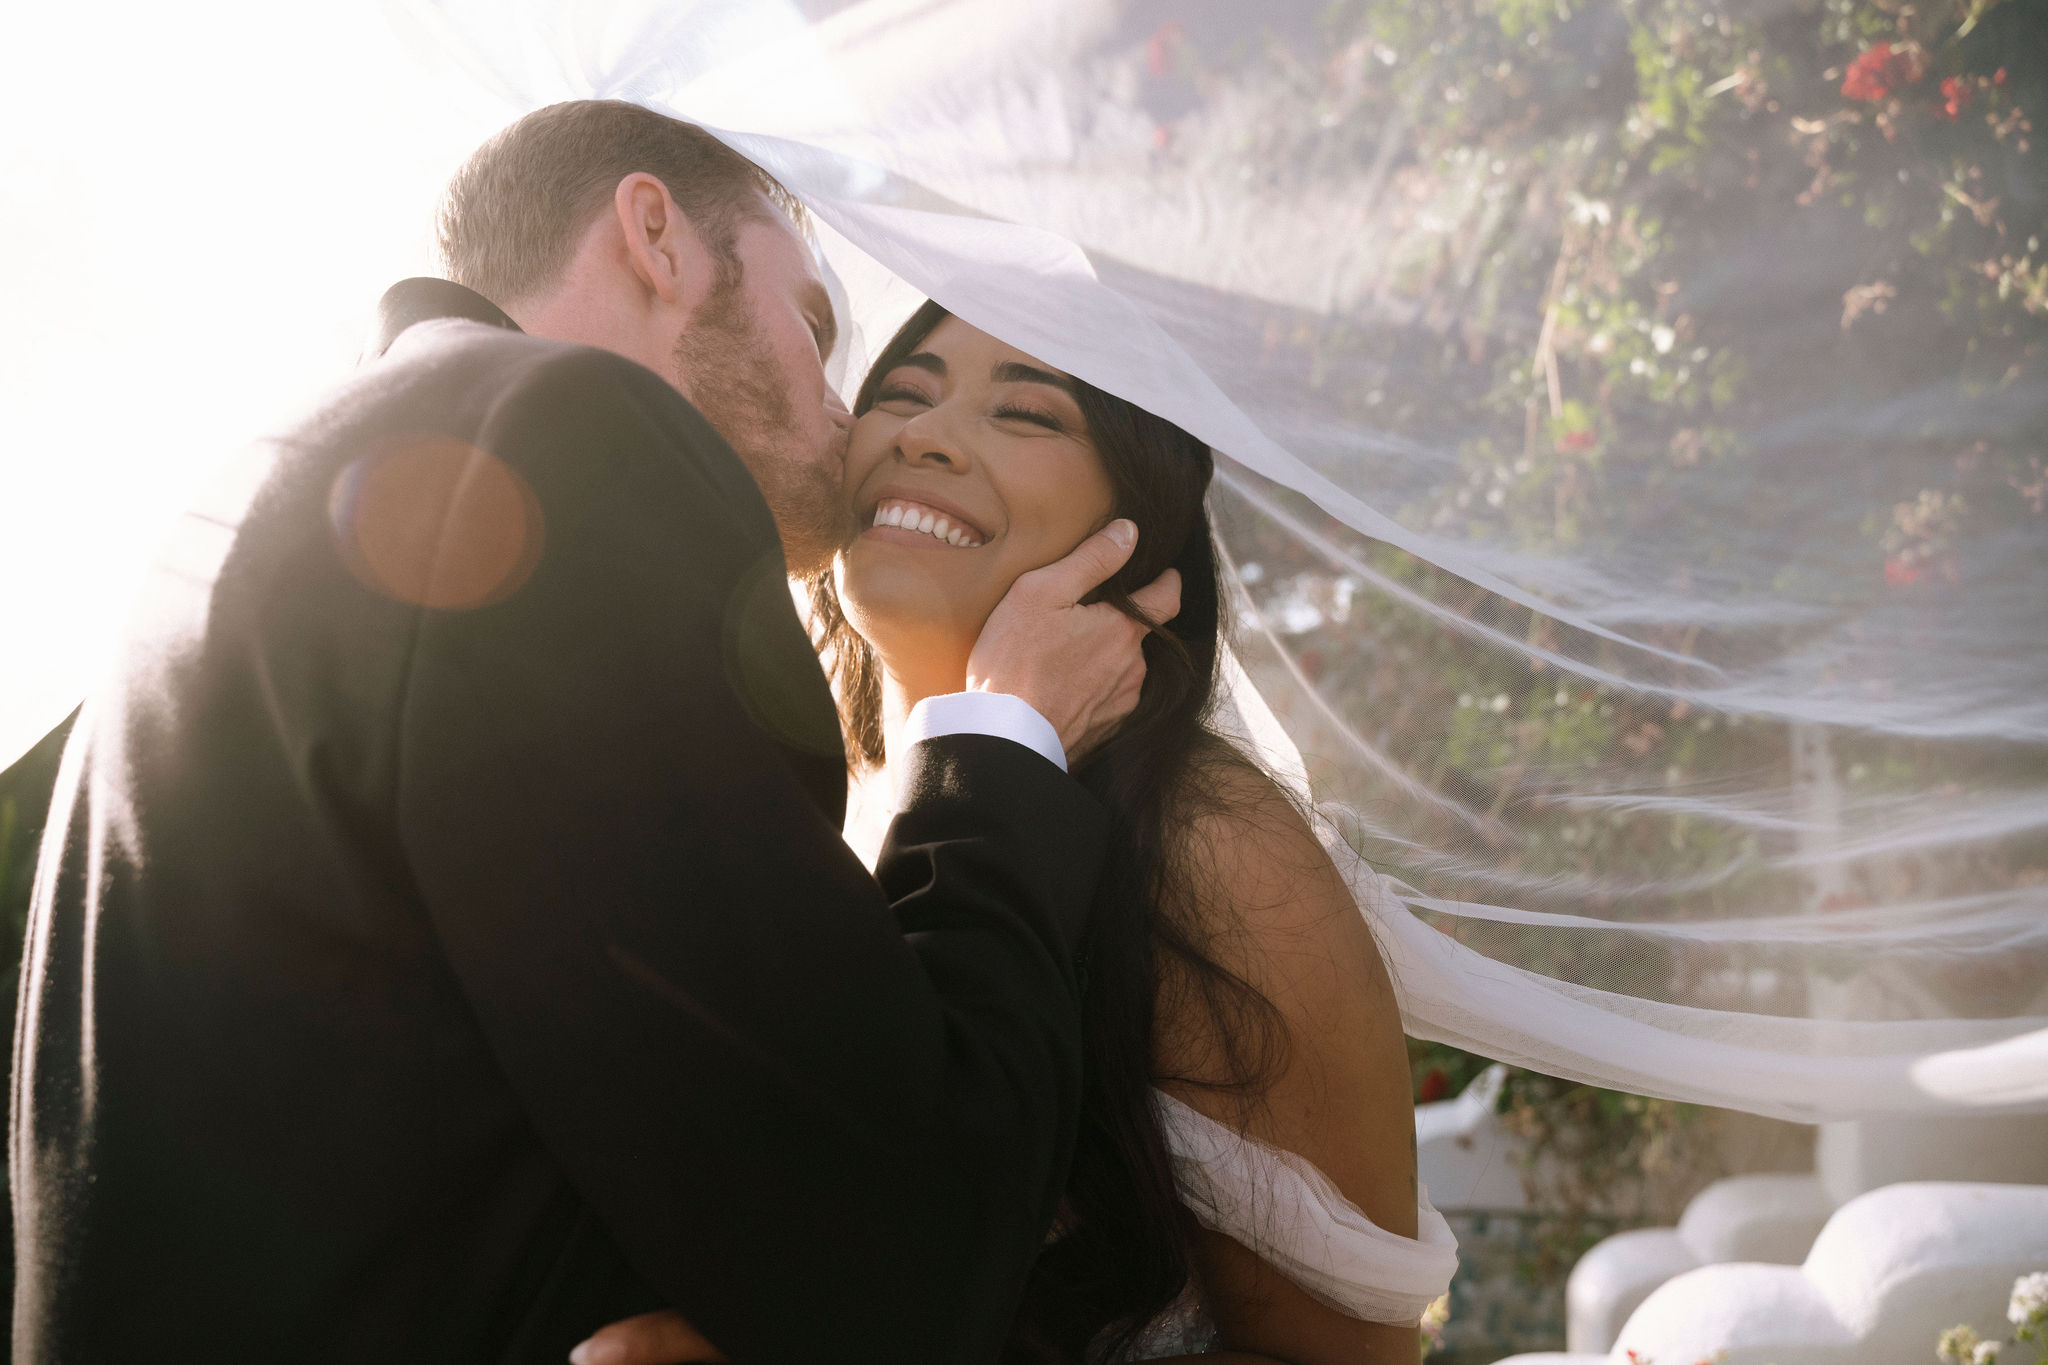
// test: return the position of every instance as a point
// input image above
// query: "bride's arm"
(1279, 915)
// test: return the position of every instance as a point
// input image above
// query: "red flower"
(1900, 572)
(1956, 97)
(1434, 1084)
(1573, 441)
(1879, 70)
(1998, 76)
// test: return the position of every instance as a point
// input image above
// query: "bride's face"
(973, 466)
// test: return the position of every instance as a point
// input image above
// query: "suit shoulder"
(505, 365)
(528, 397)
(584, 392)
(573, 368)
(576, 422)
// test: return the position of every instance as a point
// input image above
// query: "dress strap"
(1292, 1216)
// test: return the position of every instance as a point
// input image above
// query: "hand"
(651, 1339)
(1079, 666)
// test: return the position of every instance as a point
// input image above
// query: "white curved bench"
(1776, 1217)
(1891, 1270)
(1772, 1218)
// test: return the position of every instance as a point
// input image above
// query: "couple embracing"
(445, 947)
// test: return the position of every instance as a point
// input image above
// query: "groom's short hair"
(511, 218)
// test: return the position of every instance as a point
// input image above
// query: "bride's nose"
(928, 439)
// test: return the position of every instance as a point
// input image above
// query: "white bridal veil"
(1631, 464)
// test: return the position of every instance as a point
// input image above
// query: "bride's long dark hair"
(1120, 1252)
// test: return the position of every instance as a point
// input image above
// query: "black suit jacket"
(444, 943)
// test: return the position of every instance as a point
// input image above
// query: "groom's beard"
(730, 374)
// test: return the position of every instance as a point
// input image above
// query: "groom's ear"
(663, 248)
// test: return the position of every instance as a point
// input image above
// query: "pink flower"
(1900, 572)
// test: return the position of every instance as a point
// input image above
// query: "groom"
(444, 945)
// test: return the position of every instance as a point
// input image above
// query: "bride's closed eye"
(896, 392)
(1018, 413)
(893, 392)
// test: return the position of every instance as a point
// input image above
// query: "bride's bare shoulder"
(1259, 893)
(1249, 867)
(1261, 901)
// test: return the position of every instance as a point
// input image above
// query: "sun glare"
(199, 207)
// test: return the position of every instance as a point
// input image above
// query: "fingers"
(650, 1339)
(1092, 562)
(1103, 720)
(1159, 600)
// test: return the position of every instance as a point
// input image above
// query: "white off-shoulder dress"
(1289, 1214)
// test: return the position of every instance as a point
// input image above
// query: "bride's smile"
(974, 464)
(920, 521)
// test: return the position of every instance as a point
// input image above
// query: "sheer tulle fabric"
(1673, 781)
(1643, 572)
(1286, 1211)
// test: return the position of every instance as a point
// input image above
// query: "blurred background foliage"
(1771, 208)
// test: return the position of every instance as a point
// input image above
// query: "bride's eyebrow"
(924, 360)
(1010, 372)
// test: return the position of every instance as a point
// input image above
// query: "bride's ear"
(662, 247)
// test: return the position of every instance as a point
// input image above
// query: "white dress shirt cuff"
(985, 713)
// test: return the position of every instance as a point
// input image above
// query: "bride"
(1244, 1185)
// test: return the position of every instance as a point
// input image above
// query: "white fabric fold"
(1288, 1213)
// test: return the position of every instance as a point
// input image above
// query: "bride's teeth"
(911, 517)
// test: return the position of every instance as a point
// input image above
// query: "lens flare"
(436, 522)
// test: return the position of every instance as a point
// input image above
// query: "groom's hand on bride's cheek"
(1079, 666)
(651, 1339)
